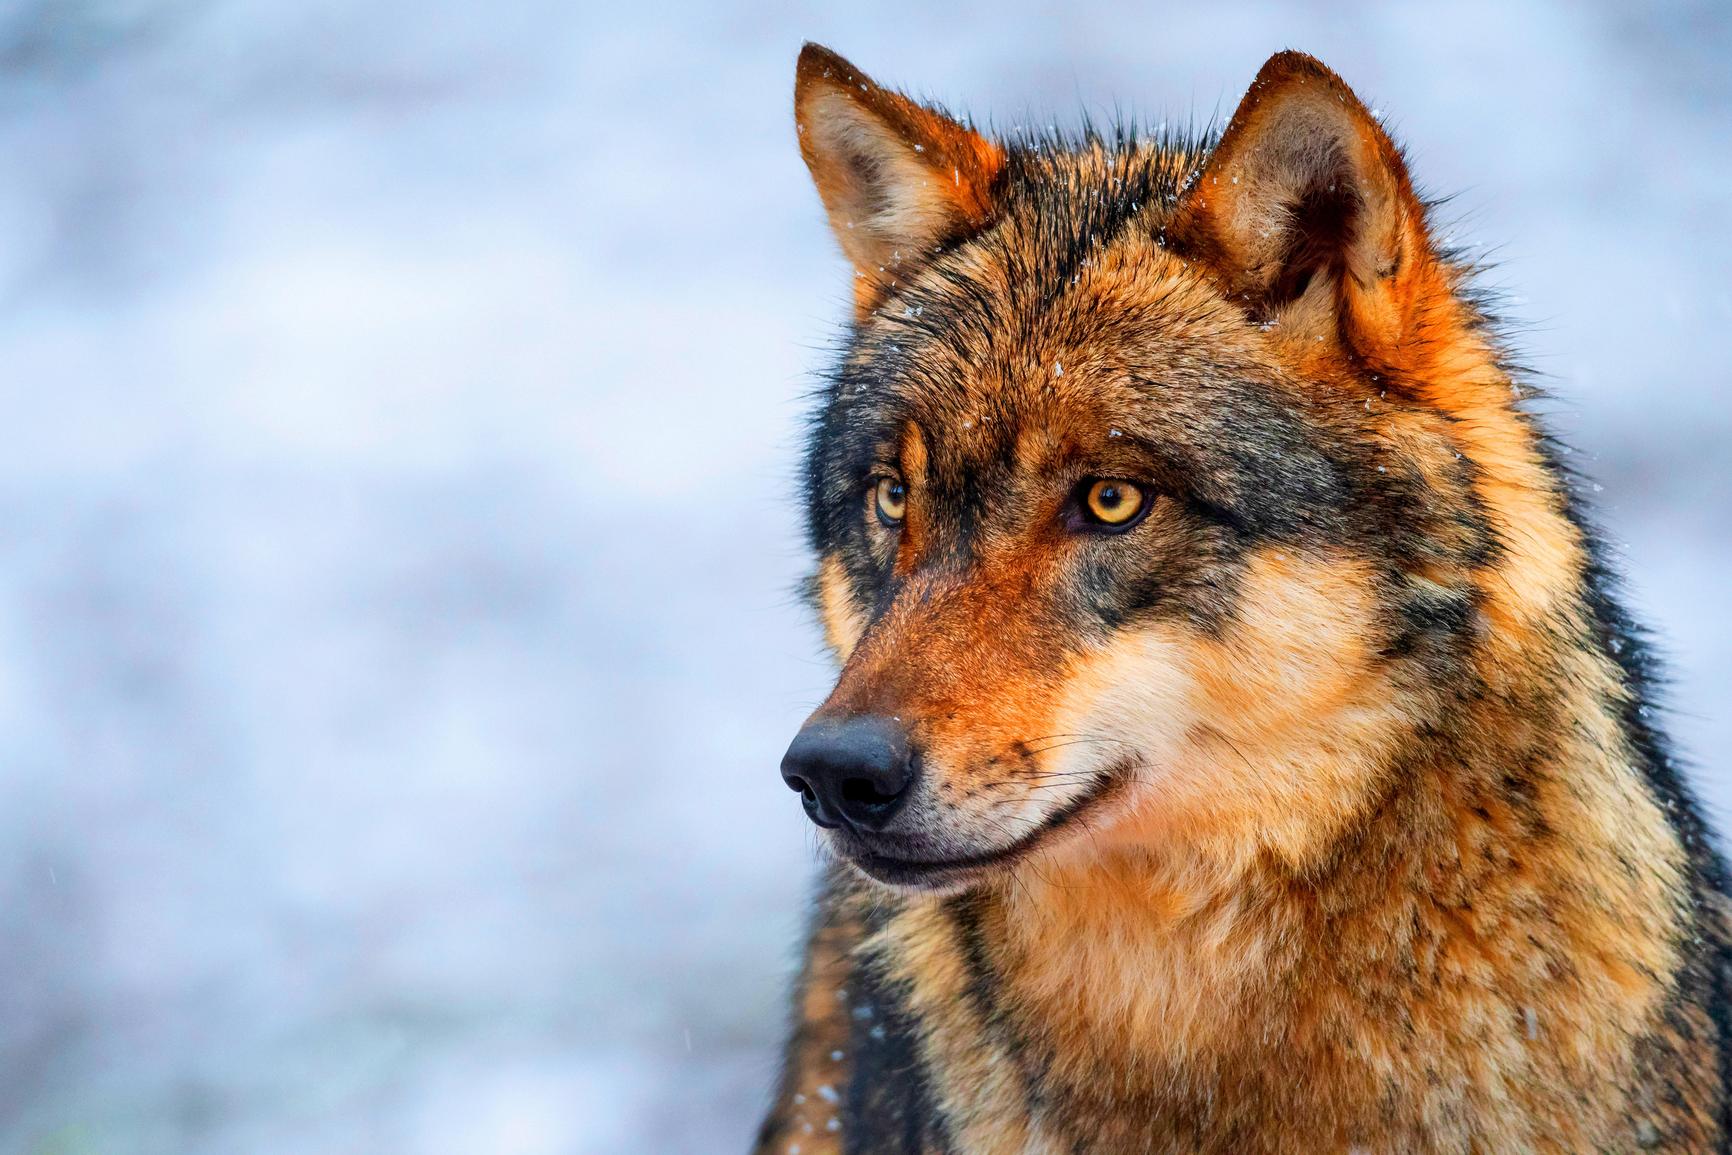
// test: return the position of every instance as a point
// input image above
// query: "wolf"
(1238, 744)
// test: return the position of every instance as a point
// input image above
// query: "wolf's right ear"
(899, 180)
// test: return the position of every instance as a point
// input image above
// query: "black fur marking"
(888, 1108)
(983, 984)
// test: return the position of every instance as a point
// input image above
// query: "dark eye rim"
(872, 488)
(1080, 518)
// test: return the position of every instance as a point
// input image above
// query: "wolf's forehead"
(1067, 317)
(1135, 333)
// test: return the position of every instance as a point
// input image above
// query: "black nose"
(850, 771)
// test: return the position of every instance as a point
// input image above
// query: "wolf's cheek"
(838, 612)
(1263, 737)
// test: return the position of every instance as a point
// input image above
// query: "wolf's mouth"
(952, 873)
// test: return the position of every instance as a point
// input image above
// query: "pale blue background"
(397, 535)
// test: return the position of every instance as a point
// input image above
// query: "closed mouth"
(947, 873)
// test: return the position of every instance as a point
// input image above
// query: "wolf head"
(1163, 491)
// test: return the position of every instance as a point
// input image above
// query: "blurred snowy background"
(401, 405)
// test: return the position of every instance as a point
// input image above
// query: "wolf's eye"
(1113, 503)
(890, 501)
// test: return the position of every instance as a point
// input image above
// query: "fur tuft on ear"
(1306, 212)
(898, 180)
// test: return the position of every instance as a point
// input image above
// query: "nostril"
(865, 792)
(798, 784)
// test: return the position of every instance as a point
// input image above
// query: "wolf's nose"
(850, 771)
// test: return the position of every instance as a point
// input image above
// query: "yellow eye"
(890, 500)
(1113, 502)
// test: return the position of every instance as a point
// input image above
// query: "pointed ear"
(898, 180)
(1306, 211)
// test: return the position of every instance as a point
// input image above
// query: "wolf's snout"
(850, 772)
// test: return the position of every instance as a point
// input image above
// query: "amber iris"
(890, 499)
(1112, 502)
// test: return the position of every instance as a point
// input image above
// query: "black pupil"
(1109, 496)
(893, 494)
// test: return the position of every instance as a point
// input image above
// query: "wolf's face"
(1145, 510)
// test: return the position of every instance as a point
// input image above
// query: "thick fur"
(1323, 810)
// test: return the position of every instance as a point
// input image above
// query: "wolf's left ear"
(898, 180)
(1306, 211)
